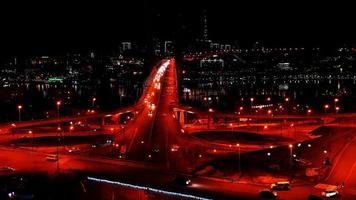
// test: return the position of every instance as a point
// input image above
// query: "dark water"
(302, 93)
(39, 100)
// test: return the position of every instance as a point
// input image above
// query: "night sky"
(48, 27)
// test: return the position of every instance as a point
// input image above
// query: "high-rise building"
(203, 42)
(126, 46)
(168, 47)
(205, 26)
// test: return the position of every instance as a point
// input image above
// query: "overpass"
(156, 137)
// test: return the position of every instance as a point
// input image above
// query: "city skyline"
(168, 100)
(51, 28)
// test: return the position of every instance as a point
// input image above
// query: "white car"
(330, 193)
(52, 158)
(73, 149)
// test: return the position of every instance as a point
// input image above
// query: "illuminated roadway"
(152, 137)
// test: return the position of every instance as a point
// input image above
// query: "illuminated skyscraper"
(205, 26)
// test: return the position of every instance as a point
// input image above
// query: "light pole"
(309, 111)
(326, 107)
(239, 153)
(209, 116)
(58, 105)
(251, 100)
(58, 141)
(93, 102)
(19, 107)
(31, 134)
(337, 109)
(286, 104)
(336, 100)
(70, 133)
(291, 154)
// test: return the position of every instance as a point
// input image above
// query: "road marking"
(133, 138)
(350, 172)
(149, 189)
(338, 158)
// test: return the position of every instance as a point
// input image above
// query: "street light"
(31, 134)
(336, 101)
(58, 105)
(239, 150)
(291, 154)
(309, 111)
(19, 107)
(93, 102)
(252, 100)
(71, 128)
(326, 107)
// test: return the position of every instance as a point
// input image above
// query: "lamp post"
(309, 111)
(58, 141)
(58, 105)
(209, 116)
(252, 100)
(326, 107)
(239, 154)
(19, 107)
(336, 100)
(337, 109)
(70, 133)
(291, 154)
(31, 134)
(93, 102)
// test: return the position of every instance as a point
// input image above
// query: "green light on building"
(55, 79)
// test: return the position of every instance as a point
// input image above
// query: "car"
(155, 150)
(282, 185)
(182, 181)
(6, 169)
(21, 194)
(268, 194)
(52, 157)
(330, 193)
(174, 148)
(73, 149)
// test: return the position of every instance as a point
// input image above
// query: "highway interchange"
(154, 148)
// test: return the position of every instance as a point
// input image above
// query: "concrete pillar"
(181, 118)
(176, 114)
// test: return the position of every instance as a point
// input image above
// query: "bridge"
(157, 142)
